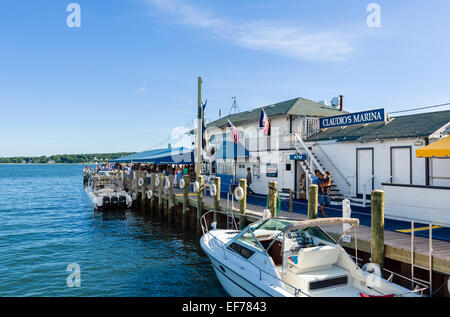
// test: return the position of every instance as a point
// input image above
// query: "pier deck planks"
(397, 245)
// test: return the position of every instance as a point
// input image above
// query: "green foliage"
(66, 158)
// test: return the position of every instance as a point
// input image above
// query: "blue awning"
(231, 150)
(180, 155)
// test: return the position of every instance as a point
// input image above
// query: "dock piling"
(243, 204)
(185, 200)
(291, 200)
(217, 197)
(377, 228)
(199, 201)
(313, 198)
(273, 198)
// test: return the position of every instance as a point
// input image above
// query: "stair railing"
(311, 160)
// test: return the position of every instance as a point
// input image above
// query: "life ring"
(157, 181)
(134, 196)
(141, 181)
(149, 194)
(182, 183)
(239, 193)
(266, 214)
(302, 183)
(167, 184)
(213, 189)
(196, 187)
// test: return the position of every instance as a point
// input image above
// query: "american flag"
(234, 132)
(264, 122)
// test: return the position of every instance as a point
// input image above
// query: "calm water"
(47, 222)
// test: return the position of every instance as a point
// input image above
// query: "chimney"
(341, 102)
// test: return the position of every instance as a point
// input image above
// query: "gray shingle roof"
(297, 106)
(410, 126)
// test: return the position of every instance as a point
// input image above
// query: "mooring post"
(185, 200)
(144, 192)
(273, 198)
(243, 204)
(153, 189)
(377, 225)
(291, 200)
(160, 193)
(313, 198)
(171, 198)
(199, 201)
(217, 197)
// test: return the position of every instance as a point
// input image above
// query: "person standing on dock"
(324, 199)
(249, 182)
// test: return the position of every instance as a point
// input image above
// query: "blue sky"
(128, 76)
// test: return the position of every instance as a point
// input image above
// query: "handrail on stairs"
(311, 156)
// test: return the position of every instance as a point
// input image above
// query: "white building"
(361, 158)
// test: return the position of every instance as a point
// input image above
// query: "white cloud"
(282, 39)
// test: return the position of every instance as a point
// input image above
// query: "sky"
(128, 75)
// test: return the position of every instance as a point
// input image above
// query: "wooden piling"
(185, 200)
(273, 198)
(377, 227)
(171, 198)
(199, 201)
(291, 200)
(144, 192)
(217, 197)
(160, 193)
(313, 199)
(243, 204)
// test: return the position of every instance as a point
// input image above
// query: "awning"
(231, 150)
(439, 148)
(180, 155)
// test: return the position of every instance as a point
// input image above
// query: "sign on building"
(371, 116)
(298, 157)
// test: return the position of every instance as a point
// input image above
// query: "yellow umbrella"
(439, 148)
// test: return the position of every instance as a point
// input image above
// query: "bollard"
(291, 200)
(199, 202)
(313, 198)
(243, 204)
(217, 197)
(377, 226)
(273, 198)
(185, 200)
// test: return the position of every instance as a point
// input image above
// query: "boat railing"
(205, 230)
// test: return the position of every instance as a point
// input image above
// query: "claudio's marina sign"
(371, 116)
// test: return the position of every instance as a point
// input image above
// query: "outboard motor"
(114, 202)
(122, 201)
(106, 202)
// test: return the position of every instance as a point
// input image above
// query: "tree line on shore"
(66, 158)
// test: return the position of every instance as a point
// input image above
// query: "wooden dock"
(177, 205)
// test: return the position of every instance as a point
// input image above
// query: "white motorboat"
(285, 258)
(105, 191)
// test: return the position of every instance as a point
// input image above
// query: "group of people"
(324, 183)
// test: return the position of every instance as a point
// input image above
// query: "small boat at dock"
(281, 257)
(106, 192)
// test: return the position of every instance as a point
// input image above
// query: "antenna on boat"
(234, 106)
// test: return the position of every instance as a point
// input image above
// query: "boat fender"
(141, 181)
(196, 187)
(182, 184)
(214, 225)
(266, 214)
(213, 189)
(157, 181)
(239, 193)
(134, 196)
(149, 194)
(167, 184)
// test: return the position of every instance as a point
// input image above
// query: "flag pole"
(199, 127)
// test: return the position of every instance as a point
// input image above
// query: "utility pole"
(199, 128)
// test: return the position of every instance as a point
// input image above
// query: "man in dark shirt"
(249, 182)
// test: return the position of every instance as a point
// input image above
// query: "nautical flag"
(234, 132)
(264, 122)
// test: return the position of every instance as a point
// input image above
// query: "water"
(47, 222)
